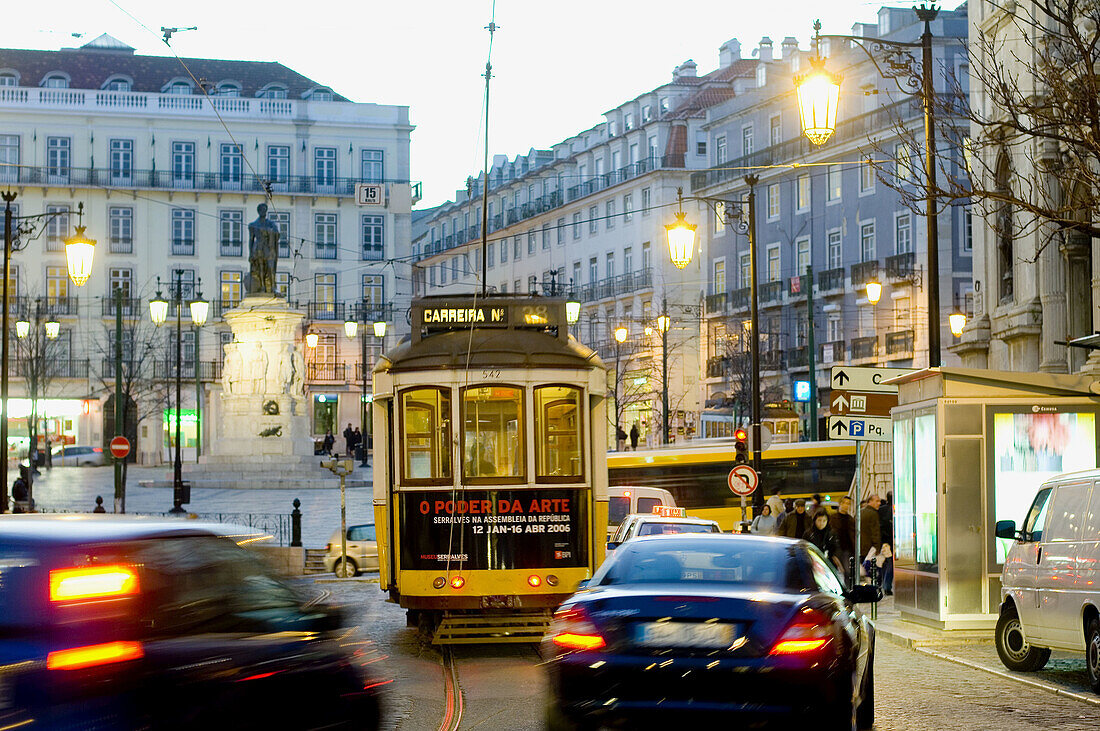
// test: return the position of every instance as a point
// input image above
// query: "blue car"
(712, 628)
(110, 622)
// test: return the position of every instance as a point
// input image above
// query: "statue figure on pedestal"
(263, 253)
(286, 371)
(231, 371)
(297, 386)
(257, 369)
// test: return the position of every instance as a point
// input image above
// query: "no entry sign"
(120, 447)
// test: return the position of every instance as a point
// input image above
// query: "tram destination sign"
(458, 318)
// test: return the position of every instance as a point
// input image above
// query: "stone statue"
(231, 371)
(286, 371)
(297, 385)
(257, 369)
(263, 253)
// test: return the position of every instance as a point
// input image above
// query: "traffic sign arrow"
(838, 426)
(840, 402)
(840, 378)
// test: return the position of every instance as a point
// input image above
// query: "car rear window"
(672, 529)
(617, 509)
(759, 564)
(646, 504)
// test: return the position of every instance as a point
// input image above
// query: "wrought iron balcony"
(900, 266)
(326, 371)
(325, 310)
(771, 360)
(796, 287)
(719, 366)
(716, 303)
(231, 248)
(739, 299)
(50, 369)
(864, 272)
(797, 357)
(121, 245)
(771, 293)
(864, 347)
(831, 281)
(899, 343)
(831, 352)
(370, 312)
(131, 307)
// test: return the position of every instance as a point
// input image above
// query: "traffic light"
(741, 446)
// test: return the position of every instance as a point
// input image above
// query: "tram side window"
(558, 457)
(426, 415)
(492, 434)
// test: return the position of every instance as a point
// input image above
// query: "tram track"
(454, 702)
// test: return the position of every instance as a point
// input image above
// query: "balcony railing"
(221, 306)
(717, 303)
(61, 306)
(739, 299)
(718, 366)
(796, 357)
(131, 307)
(899, 343)
(831, 352)
(865, 347)
(796, 287)
(325, 310)
(370, 312)
(231, 248)
(326, 371)
(771, 360)
(616, 286)
(52, 369)
(771, 292)
(900, 266)
(864, 272)
(628, 172)
(121, 245)
(831, 280)
(183, 247)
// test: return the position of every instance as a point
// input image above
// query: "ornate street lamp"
(53, 329)
(874, 292)
(158, 308)
(957, 320)
(79, 253)
(200, 308)
(818, 96)
(311, 339)
(22, 328)
(572, 311)
(380, 329)
(351, 327)
(681, 239)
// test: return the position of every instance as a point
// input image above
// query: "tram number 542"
(490, 374)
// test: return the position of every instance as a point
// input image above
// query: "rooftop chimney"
(686, 69)
(729, 52)
(764, 52)
(789, 47)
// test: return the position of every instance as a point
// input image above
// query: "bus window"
(618, 507)
(492, 434)
(558, 434)
(646, 504)
(425, 414)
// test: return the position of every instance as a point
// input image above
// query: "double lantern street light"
(158, 311)
(79, 254)
(351, 327)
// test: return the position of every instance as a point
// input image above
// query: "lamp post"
(818, 96)
(664, 322)
(620, 338)
(380, 336)
(37, 363)
(158, 311)
(681, 240)
(79, 254)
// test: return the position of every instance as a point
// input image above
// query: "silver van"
(1050, 585)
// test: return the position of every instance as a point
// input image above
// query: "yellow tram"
(490, 472)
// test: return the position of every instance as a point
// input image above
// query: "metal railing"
(771, 292)
(131, 307)
(865, 347)
(797, 357)
(900, 266)
(183, 247)
(716, 303)
(121, 245)
(616, 286)
(831, 280)
(325, 310)
(899, 342)
(326, 371)
(231, 248)
(52, 369)
(796, 287)
(369, 312)
(772, 360)
(831, 351)
(864, 272)
(739, 299)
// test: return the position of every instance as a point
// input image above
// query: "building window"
(720, 154)
(275, 92)
(532, 284)
(663, 104)
(647, 113)
(576, 226)
(866, 177)
(531, 242)
(835, 252)
(178, 87)
(719, 278)
(278, 163)
(121, 229)
(746, 271)
(371, 166)
(324, 235)
(183, 164)
(968, 230)
(121, 278)
(545, 237)
(628, 121)
(57, 284)
(903, 164)
(504, 251)
(834, 183)
(835, 331)
(324, 167)
(867, 241)
(58, 158)
(593, 219)
(324, 296)
(561, 231)
(373, 238)
(55, 81)
(610, 208)
(645, 201)
(9, 158)
(374, 296)
(746, 140)
(183, 231)
(773, 200)
(229, 89)
(8, 79)
(57, 227)
(186, 278)
(776, 131)
(593, 270)
(282, 220)
(647, 262)
(700, 143)
(231, 225)
(903, 233)
(517, 248)
(802, 256)
(491, 254)
(803, 192)
(628, 206)
(773, 263)
(122, 161)
(230, 289)
(628, 260)
(320, 95)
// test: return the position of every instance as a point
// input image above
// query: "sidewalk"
(891, 627)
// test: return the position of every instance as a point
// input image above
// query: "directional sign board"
(868, 429)
(743, 480)
(861, 403)
(856, 378)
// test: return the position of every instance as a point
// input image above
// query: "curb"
(911, 642)
(348, 580)
(1092, 700)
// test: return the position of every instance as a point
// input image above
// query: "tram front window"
(558, 434)
(492, 418)
(426, 417)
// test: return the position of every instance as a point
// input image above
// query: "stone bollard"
(99, 505)
(296, 525)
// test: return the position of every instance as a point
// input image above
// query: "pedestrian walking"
(886, 531)
(844, 525)
(765, 523)
(349, 438)
(795, 524)
(634, 434)
(99, 505)
(870, 532)
(815, 504)
(776, 503)
(358, 441)
(328, 442)
(620, 439)
(821, 535)
(20, 490)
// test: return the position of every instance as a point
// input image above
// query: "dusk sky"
(557, 66)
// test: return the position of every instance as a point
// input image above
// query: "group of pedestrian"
(834, 534)
(621, 437)
(354, 438)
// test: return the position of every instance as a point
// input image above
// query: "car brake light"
(92, 582)
(328, 548)
(808, 632)
(97, 449)
(91, 655)
(571, 629)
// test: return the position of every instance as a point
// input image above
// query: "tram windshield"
(492, 426)
(426, 414)
(558, 434)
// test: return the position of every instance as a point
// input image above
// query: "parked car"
(107, 622)
(1050, 584)
(664, 520)
(75, 456)
(709, 630)
(362, 551)
(624, 500)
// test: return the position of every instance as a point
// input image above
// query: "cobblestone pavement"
(75, 489)
(504, 687)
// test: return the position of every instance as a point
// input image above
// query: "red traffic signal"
(741, 435)
(740, 445)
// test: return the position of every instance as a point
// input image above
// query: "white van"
(1050, 585)
(623, 500)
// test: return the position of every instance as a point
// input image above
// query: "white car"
(78, 457)
(1050, 584)
(362, 551)
(664, 521)
(622, 500)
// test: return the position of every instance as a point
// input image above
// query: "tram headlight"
(534, 581)
(439, 582)
(458, 582)
(551, 580)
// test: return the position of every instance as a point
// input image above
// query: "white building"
(170, 176)
(587, 218)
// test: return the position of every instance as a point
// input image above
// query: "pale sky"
(557, 65)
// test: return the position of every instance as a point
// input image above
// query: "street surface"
(503, 686)
(74, 489)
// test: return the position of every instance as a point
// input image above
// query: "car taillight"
(328, 547)
(92, 582)
(809, 631)
(91, 655)
(572, 629)
(97, 450)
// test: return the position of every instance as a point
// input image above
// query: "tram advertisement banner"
(493, 529)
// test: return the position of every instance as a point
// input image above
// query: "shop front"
(61, 422)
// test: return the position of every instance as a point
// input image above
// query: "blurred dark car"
(709, 628)
(126, 623)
